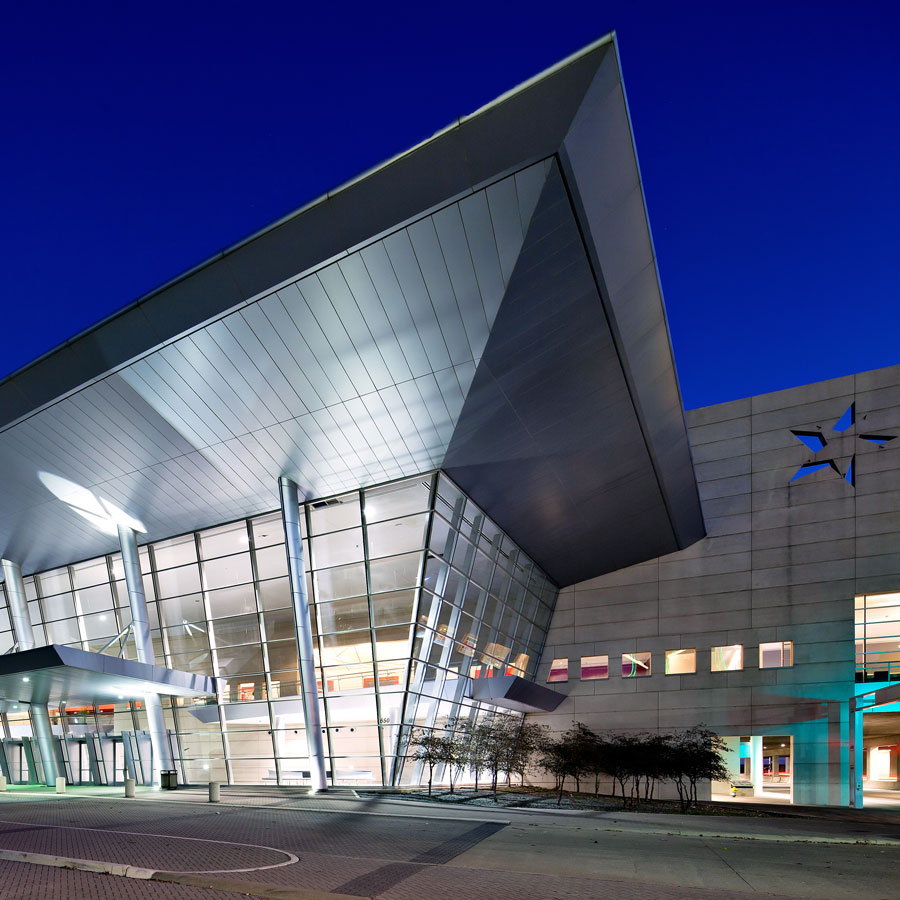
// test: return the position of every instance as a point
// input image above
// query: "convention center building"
(417, 451)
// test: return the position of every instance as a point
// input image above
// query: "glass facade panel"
(54, 582)
(335, 584)
(175, 552)
(344, 615)
(279, 624)
(275, 594)
(337, 549)
(228, 570)
(62, 632)
(87, 574)
(334, 514)
(393, 608)
(224, 540)
(271, 562)
(397, 536)
(282, 655)
(59, 607)
(226, 611)
(395, 572)
(238, 630)
(231, 601)
(93, 599)
(174, 582)
(268, 530)
(182, 609)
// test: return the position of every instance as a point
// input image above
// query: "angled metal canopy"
(55, 674)
(486, 303)
(516, 693)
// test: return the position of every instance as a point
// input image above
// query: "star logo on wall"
(826, 459)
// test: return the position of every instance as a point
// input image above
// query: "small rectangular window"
(728, 659)
(594, 667)
(681, 662)
(776, 655)
(559, 670)
(635, 665)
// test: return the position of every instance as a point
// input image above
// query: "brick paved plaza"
(281, 844)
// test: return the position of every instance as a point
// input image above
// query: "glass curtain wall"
(878, 637)
(413, 590)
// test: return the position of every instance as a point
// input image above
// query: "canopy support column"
(159, 744)
(43, 732)
(290, 515)
(18, 604)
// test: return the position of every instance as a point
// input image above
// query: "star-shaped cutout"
(817, 442)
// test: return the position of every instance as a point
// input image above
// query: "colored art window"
(681, 662)
(635, 665)
(594, 667)
(559, 670)
(729, 658)
(776, 654)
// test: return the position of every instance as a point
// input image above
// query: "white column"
(756, 765)
(290, 515)
(856, 756)
(159, 743)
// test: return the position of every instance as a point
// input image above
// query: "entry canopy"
(55, 674)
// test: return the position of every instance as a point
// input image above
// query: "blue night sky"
(140, 139)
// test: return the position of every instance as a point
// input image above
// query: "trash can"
(168, 779)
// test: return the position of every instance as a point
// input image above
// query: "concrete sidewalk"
(283, 844)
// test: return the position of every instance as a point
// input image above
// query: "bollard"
(214, 791)
(129, 787)
(60, 784)
(2, 783)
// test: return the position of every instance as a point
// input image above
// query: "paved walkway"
(282, 844)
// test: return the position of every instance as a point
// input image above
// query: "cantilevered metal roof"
(486, 303)
(65, 674)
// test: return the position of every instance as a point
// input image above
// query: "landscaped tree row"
(509, 745)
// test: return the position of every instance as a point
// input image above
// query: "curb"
(86, 865)
(244, 888)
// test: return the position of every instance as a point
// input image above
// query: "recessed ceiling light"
(26, 678)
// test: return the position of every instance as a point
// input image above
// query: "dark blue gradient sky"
(139, 140)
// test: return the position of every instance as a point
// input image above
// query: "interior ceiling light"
(104, 515)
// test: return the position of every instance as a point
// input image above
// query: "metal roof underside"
(65, 674)
(487, 303)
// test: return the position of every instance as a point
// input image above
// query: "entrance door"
(84, 763)
(118, 761)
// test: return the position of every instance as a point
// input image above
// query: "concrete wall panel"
(782, 561)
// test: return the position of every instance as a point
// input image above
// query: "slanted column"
(18, 604)
(43, 731)
(21, 624)
(131, 563)
(290, 516)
